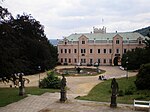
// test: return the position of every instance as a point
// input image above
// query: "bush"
(143, 77)
(140, 97)
(120, 93)
(51, 81)
(130, 90)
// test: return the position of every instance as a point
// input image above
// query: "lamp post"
(127, 67)
(39, 68)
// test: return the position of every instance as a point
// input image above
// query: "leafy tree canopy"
(23, 46)
(143, 77)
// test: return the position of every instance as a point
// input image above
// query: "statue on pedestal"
(115, 88)
(63, 97)
(21, 85)
(78, 70)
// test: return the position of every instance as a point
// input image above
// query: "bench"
(142, 104)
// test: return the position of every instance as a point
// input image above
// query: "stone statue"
(115, 88)
(63, 83)
(21, 85)
(78, 70)
(63, 97)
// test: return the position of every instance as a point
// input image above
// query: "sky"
(64, 17)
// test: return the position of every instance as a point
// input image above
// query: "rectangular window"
(65, 60)
(83, 42)
(104, 50)
(132, 50)
(83, 50)
(110, 51)
(69, 60)
(65, 50)
(91, 60)
(117, 51)
(83, 60)
(99, 60)
(75, 60)
(104, 60)
(91, 50)
(69, 50)
(99, 51)
(61, 60)
(75, 50)
(117, 41)
(61, 51)
(125, 50)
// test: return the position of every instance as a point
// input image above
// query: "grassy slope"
(102, 92)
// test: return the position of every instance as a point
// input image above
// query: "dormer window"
(140, 40)
(65, 43)
(117, 41)
(83, 41)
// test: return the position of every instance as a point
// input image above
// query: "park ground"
(78, 86)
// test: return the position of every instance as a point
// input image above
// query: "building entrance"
(117, 61)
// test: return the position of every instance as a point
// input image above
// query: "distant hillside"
(143, 31)
(53, 42)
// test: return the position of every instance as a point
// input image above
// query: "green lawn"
(9, 95)
(102, 92)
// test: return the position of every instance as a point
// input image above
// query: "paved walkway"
(78, 86)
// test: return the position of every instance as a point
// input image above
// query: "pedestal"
(113, 102)
(63, 96)
(21, 91)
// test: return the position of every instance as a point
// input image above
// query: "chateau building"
(98, 47)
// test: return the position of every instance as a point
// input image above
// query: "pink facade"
(97, 47)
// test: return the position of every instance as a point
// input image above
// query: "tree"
(143, 77)
(51, 81)
(5, 15)
(147, 48)
(135, 59)
(23, 46)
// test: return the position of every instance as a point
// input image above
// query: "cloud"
(64, 17)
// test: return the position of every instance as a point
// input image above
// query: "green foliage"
(135, 59)
(120, 93)
(51, 81)
(24, 46)
(130, 90)
(102, 92)
(143, 77)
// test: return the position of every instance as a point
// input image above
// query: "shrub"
(143, 77)
(130, 90)
(51, 81)
(120, 93)
(140, 97)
